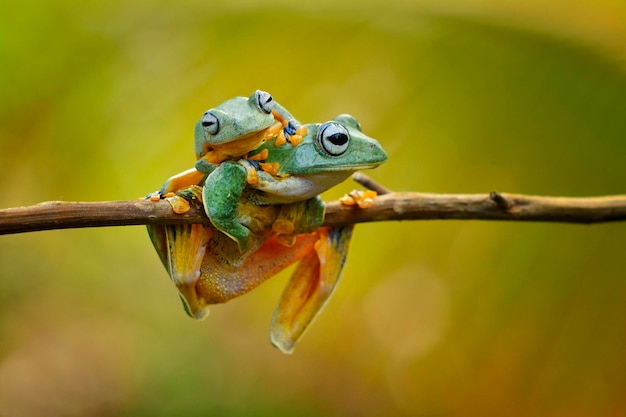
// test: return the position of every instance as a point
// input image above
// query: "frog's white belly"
(297, 188)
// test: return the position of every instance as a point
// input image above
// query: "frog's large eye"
(333, 138)
(210, 123)
(264, 101)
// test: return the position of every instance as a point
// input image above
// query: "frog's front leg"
(310, 286)
(292, 131)
(221, 194)
(182, 180)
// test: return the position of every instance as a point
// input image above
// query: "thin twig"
(391, 206)
(369, 183)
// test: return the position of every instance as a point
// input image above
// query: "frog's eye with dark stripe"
(333, 138)
(210, 123)
(264, 101)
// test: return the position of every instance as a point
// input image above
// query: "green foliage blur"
(432, 318)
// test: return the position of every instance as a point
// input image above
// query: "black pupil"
(206, 124)
(338, 138)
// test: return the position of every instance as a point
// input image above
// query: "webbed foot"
(186, 245)
(181, 249)
(310, 287)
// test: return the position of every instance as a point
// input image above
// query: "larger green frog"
(329, 153)
(259, 229)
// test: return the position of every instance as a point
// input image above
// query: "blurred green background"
(432, 318)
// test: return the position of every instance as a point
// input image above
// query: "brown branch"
(391, 206)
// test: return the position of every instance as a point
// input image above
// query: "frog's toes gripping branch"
(364, 199)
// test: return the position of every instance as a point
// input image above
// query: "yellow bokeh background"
(431, 318)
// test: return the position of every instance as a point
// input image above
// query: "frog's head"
(328, 154)
(233, 120)
(334, 146)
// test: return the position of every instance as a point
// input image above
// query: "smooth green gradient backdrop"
(432, 318)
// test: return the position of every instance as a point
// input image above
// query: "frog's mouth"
(350, 167)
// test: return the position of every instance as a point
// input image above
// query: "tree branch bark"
(391, 206)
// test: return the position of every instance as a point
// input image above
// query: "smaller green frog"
(329, 153)
(241, 124)
(234, 128)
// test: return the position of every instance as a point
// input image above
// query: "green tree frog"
(329, 153)
(234, 128)
(268, 226)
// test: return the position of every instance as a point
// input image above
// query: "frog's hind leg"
(310, 287)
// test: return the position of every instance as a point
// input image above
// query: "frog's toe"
(195, 306)
(155, 196)
(295, 140)
(364, 199)
(179, 204)
(281, 138)
(251, 174)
